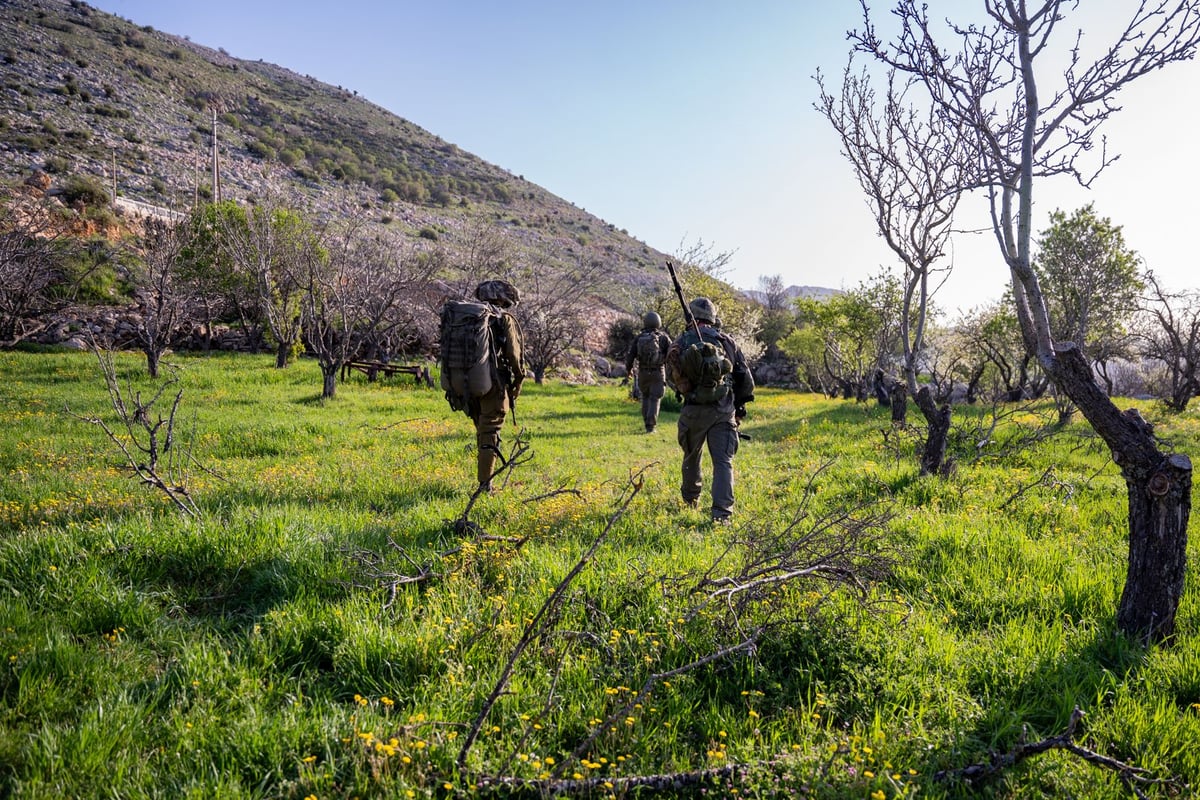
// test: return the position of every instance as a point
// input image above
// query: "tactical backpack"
(649, 352)
(467, 357)
(703, 363)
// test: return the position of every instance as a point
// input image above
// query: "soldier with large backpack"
(707, 369)
(482, 365)
(649, 350)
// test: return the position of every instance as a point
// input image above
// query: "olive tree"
(1091, 283)
(270, 247)
(987, 78)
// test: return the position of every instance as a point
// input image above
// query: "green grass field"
(271, 648)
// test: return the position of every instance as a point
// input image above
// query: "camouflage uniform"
(488, 412)
(712, 425)
(651, 380)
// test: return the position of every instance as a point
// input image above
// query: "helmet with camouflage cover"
(652, 321)
(703, 309)
(497, 292)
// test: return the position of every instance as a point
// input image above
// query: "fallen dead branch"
(1133, 777)
(540, 621)
(740, 599)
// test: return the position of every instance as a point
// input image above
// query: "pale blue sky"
(684, 120)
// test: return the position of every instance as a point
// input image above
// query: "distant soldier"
(709, 371)
(649, 350)
(482, 365)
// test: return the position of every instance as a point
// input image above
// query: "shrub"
(104, 110)
(103, 216)
(260, 150)
(291, 157)
(84, 191)
(428, 233)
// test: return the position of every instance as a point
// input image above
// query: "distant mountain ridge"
(793, 292)
(86, 93)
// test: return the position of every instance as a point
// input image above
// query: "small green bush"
(82, 190)
(428, 233)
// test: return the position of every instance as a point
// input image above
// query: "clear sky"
(687, 120)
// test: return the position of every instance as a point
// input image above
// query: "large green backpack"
(467, 356)
(702, 361)
(649, 352)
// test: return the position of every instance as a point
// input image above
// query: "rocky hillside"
(87, 94)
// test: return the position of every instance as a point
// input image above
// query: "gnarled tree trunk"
(933, 455)
(1160, 501)
(898, 399)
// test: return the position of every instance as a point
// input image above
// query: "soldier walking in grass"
(707, 368)
(482, 366)
(649, 350)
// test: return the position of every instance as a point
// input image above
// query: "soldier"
(649, 349)
(709, 371)
(482, 366)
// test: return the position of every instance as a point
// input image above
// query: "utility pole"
(216, 173)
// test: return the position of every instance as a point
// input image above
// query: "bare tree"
(166, 301)
(1171, 336)
(31, 267)
(554, 308)
(154, 451)
(353, 293)
(984, 79)
(909, 165)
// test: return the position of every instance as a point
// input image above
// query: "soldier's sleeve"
(631, 355)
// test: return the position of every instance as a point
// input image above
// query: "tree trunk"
(933, 455)
(898, 399)
(1160, 502)
(973, 385)
(880, 388)
(151, 361)
(282, 351)
(328, 383)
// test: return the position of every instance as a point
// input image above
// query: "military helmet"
(652, 321)
(501, 293)
(703, 309)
